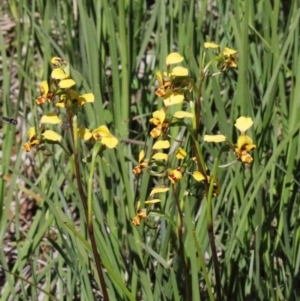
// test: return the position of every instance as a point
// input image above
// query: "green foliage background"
(115, 49)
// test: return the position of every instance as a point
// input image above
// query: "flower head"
(76, 99)
(199, 177)
(180, 153)
(33, 140)
(103, 134)
(174, 82)
(158, 120)
(165, 83)
(244, 143)
(243, 146)
(175, 175)
(45, 94)
(142, 163)
(141, 213)
(230, 58)
(226, 59)
(58, 62)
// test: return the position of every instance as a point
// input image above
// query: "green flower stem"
(97, 257)
(199, 92)
(198, 153)
(96, 150)
(71, 159)
(186, 268)
(74, 131)
(203, 267)
(198, 102)
(192, 106)
(210, 226)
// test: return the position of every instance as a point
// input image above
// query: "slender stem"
(204, 269)
(198, 103)
(209, 185)
(210, 227)
(210, 230)
(188, 288)
(97, 257)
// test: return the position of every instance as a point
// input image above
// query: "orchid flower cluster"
(59, 93)
(176, 88)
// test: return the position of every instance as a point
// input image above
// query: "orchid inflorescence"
(59, 93)
(175, 88)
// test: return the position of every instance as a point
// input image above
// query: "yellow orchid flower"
(58, 62)
(33, 140)
(142, 163)
(175, 175)
(173, 83)
(244, 143)
(243, 146)
(103, 134)
(79, 100)
(165, 83)
(180, 153)
(158, 120)
(45, 95)
(141, 213)
(230, 57)
(199, 177)
(226, 59)
(84, 133)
